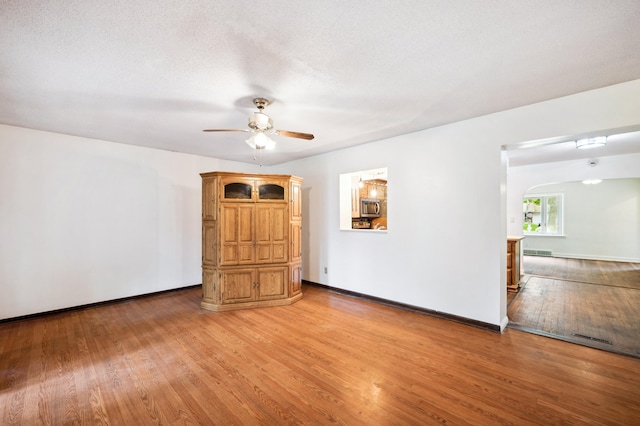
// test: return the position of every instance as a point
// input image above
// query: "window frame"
(544, 214)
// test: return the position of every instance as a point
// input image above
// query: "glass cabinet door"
(252, 190)
(270, 191)
(238, 191)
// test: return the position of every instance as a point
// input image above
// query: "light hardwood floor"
(328, 359)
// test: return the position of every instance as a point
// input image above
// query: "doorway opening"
(570, 290)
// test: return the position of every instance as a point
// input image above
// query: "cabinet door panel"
(296, 200)
(229, 243)
(296, 241)
(355, 203)
(209, 286)
(209, 198)
(279, 252)
(237, 244)
(245, 224)
(237, 189)
(246, 243)
(263, 234)
(238, 285)
(272, 283)
(296, 279)
(272, 190)
(209, 243)
(279, 231)
(271, 233)
(229, 223)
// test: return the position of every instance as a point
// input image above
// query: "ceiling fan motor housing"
(260, 121)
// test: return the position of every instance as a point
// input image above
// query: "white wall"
(522, 178)
(399, 265)
(601, 222)
(446, 245)
(85, 221)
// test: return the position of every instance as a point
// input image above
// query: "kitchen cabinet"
(251, 240)
(514, 263)
(355, 203)
(374, 188)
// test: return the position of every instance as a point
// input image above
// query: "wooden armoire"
(514, 263)
(251, 240)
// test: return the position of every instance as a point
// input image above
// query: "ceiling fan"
(261, 125)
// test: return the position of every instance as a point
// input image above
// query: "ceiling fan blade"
(226, 130)
(307, 136)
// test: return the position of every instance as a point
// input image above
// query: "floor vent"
(538, 252)
(594, 339)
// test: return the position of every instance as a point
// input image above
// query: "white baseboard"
(503, 323)
(592, 257)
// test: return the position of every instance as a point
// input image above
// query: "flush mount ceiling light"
(590, 143)
(592, 181)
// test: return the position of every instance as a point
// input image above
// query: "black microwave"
(369, 207)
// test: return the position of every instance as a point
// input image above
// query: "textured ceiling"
(156, 72)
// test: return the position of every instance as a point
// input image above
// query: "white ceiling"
(156, 72)
(619, 142)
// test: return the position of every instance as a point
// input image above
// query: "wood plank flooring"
(619, 274)
(594, 303)
(328, 359)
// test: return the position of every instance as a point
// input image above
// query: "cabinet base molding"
(247, 305)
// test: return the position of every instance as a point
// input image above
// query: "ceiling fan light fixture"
(261, 141)
(260, 126)
(260, 121)
(590, 143)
